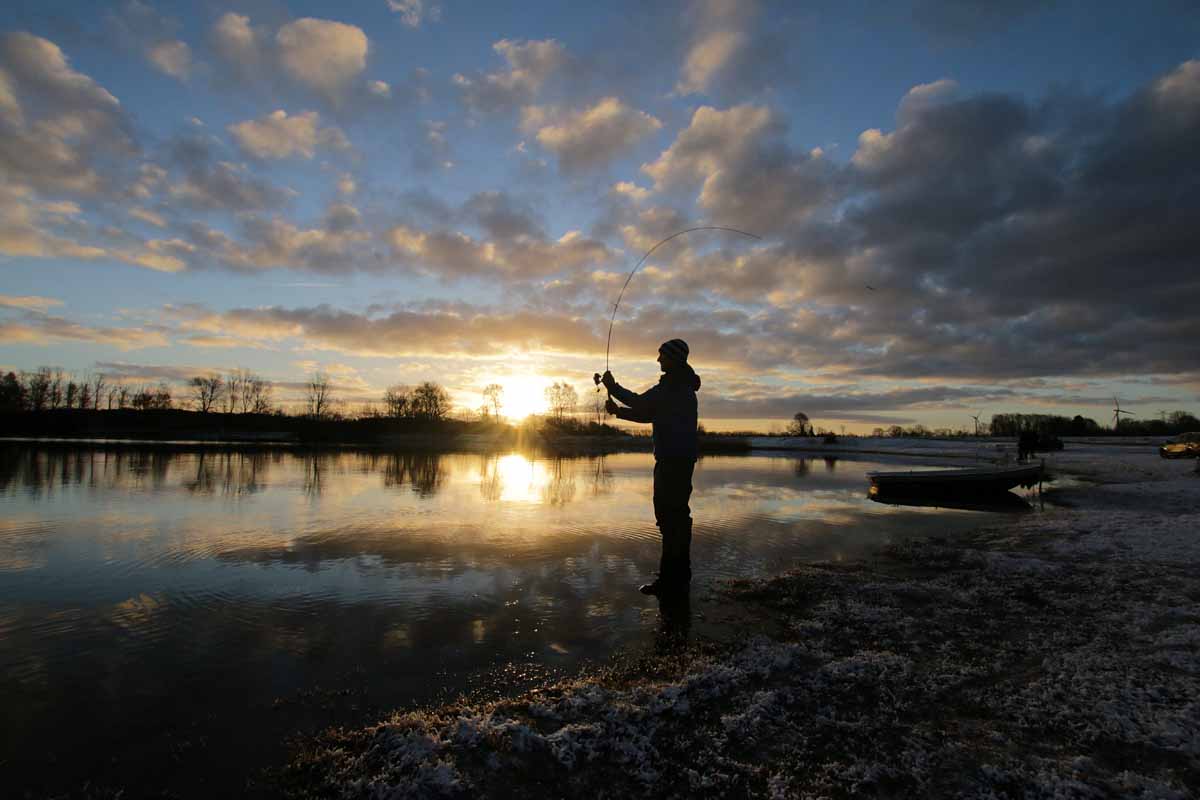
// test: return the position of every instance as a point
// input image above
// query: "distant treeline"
(1047, 424)
(237, 392)
(238, 406)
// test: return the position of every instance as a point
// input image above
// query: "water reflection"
(140, 585)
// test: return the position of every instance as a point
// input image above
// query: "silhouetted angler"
(670, 407)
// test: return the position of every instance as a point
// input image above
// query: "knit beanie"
(676, 349)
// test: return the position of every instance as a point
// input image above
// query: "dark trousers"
(672, 490)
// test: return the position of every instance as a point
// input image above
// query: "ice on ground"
(1049, 655)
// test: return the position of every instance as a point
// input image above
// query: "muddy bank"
(1055, 654)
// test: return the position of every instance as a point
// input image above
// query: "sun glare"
(523, 395)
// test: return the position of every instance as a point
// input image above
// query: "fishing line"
(617, 305)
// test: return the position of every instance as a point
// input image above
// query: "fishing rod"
(621, 294)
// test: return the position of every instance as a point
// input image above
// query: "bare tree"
(562, 399)
(71, 393)
(85, 393)
(319, 395)
(233, 391)
(57, 388)
(207, 391)
(98, 387)
(258, 395)
(247, 387)
(122, 396)
(12, 393)
(430, 401)
(37, 388)
(396, 401)
(800, 425)
(152, 398)
(596, 407)
(491, 396)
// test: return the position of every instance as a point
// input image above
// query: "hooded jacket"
(670, 407)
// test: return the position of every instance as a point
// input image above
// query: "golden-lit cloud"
(44, 330)
(29, 302)
(173, 58)
(530, 64)
(322, 54)
(592, 136)
(707, 57)
(278, 135)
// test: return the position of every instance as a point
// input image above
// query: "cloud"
(146, 215)
(204, 181)
(173, 58)
(530, 64)
(27, 230)
(138, 27)
(631, 190)
(58, 127)
(124, 372)
(451, 255)
(511, 244)
(747, 174)
(279, 136)
(322, 54)
(238, 44)
(732, 52)
(44, 330)
(591, 137)
(29, 302)
(449, 330)
(707, 57)
(413, 12)
(1002, 237)
(276, 243)
(323, 58)
(847, 402)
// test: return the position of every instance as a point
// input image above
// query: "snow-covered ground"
(981, 448)
(1054, 654)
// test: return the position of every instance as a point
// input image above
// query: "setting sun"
(523, 395)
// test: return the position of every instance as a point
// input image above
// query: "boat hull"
(971, 481)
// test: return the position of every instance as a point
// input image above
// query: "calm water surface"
(167, 617)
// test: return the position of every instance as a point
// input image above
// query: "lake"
(168, 617)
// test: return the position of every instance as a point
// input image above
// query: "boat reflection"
(1006, 502)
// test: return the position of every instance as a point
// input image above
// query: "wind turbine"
(1117, 412)
(976, 418)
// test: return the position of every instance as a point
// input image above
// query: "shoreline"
(1048, 654)
(983, 449)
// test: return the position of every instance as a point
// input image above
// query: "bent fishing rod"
(608, 346)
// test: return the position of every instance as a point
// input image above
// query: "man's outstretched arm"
(642, 404)
(632, 415)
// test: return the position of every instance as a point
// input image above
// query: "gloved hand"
(610, 406)
(608, 380)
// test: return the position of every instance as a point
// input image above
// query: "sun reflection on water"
(521, 479)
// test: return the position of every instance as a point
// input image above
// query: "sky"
(962, 207)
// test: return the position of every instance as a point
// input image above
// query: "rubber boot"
(675, 566)
(666, 565)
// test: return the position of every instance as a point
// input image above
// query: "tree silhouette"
(492, 394)
(562, 399)
(800, 425)
(396, 401)
(319, 395)
(207, 391)
(430, 401)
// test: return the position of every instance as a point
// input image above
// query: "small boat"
(969, 480)
(999, 502)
